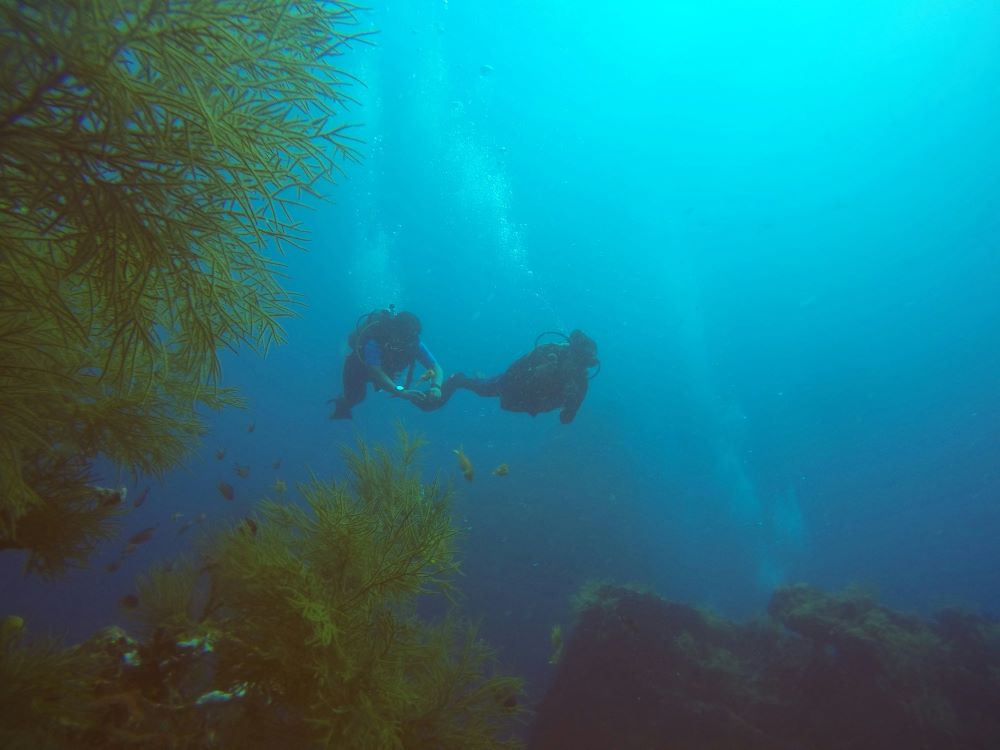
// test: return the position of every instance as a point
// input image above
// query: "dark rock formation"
(822, 672)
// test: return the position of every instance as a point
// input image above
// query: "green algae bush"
(44, 689)
(301, 630)
(152, 152)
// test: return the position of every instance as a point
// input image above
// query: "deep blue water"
(781, 223)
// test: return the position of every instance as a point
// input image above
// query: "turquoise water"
(779, 221)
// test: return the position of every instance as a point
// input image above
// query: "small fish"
(428, 375)
(227, 490)
(110, 500)
(142, 536)
(129, 601)
(505, 699)
(242, 471)
(220, 453)
(201, 517)
(249, 526)
(464, 464)
(110, 497)
(140, 498)
(176, 517)
(252, 426)
(114, 565)
(276, 465)
(501, 471)
(279, 486)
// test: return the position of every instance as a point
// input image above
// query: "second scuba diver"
(551, 376)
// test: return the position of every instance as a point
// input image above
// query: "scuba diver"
(383, 344)
(550, 376)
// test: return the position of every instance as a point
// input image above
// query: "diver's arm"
(371, 355)
(428, 360)
(576, 391)
(380, 378)
(438, 378)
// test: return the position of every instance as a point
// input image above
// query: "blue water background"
(781, 223)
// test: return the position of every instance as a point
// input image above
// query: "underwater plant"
(313, 611)
(152, 153)
(298, 629)
(43, 686)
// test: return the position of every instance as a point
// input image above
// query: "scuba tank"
(367, 327)
(565, 341)
(367, 324)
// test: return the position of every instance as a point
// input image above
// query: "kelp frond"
(310, 611)
(44, 688)
(172, 597)
(275, 637)
(152, 152)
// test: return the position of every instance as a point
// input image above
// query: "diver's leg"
(426, 404)
(448, 388)
(355, 386)
(486, 387)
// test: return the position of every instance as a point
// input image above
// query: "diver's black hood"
(583, 347)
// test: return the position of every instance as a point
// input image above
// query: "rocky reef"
(820, 671)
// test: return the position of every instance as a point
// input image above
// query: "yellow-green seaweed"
(299, 631)
(152, 153)
(44, 689)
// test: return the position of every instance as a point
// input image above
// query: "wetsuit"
(357, 374)
(546, 378)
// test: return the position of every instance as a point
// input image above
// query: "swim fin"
(342, 410)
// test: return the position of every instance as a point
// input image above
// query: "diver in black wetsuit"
(550, 376)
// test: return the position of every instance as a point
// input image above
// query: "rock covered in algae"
(823, 672)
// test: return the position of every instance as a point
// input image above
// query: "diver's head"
(583, 348)
(404, 331)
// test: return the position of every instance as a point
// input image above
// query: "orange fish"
(242, 471)
(464, 464)
(109, 497)
(428, 375)
(501, 471)
(249, 526)
(220, 453)
(129, 601)
(141, 498)
(227, 490)
(142, 536)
